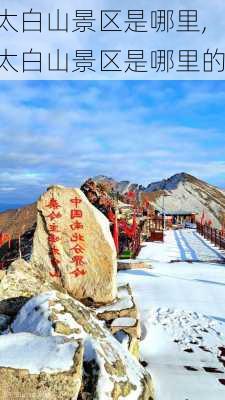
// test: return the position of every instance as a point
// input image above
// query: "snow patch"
(36, 353)
(124, 321)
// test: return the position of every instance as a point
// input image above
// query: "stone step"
(132, 264)
(122, 319)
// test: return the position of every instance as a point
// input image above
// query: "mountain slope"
(184, 192)
(18, 221)
(180, 192)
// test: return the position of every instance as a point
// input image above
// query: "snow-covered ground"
(183, 244)
(183, 316)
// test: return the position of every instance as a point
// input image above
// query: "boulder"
(74, 244)
(22, 280)
(122, 319)
(39, 367)
(2, 274)
(129, 342)
(128, 325)
(123, 306)
(110, 372)
(4, 322)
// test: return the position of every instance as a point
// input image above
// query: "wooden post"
(220, 241)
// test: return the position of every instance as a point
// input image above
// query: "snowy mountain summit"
(184, 192)
(170, 183)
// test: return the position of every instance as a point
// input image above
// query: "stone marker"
(73, 243)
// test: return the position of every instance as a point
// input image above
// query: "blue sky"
(65, 131)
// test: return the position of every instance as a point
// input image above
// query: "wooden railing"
(214, 235)
(152, 229)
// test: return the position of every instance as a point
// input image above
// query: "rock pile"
(54, 347)
(122, 319)
(98, 194)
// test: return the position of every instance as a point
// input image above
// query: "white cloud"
(62, 132)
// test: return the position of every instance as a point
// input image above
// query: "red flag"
(111, 216)
(127, 229)
(116, 234)
(134, 225)
(203, 218)
(4, 237)
(131, 194)
(146, 204)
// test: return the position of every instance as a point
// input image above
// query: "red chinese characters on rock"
(76, 214)
(53, 228)
(77, 239)
(53, 204)
(76, 225)
(53, 215)
(54, 237)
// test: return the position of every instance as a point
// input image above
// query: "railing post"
(220, 241)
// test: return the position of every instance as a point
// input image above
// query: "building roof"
(178, 212)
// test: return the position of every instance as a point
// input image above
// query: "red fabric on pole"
(131, 195)
(116, 234)
(111, 216)
(129, 230)
(146, 204)
(134, 226)
(203, 218)
(4, 237)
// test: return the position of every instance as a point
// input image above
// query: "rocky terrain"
(184, 192)
(67, 331)
(72, 354)
(181, 192)
(18, 221)
(121, 187)
(20, 225)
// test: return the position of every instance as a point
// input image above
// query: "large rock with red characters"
(73, 243)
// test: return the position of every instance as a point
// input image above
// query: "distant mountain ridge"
(181, 191)
(170, 183)
(122, 186)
